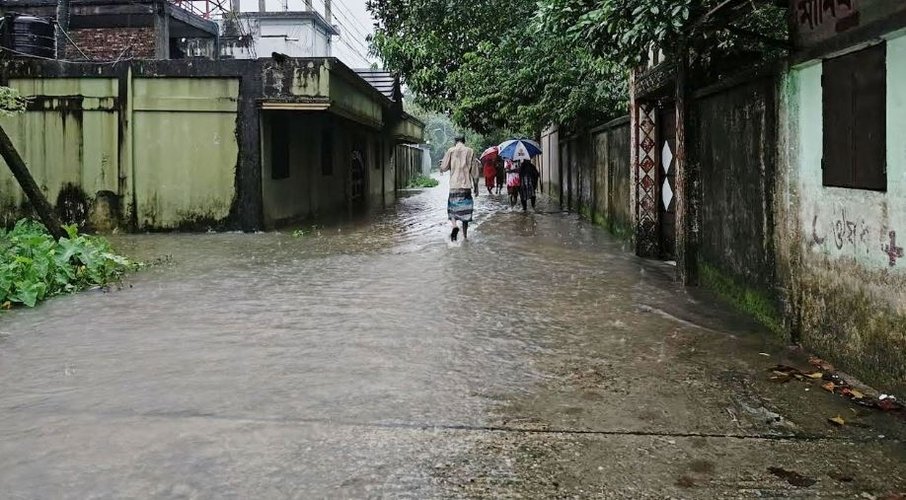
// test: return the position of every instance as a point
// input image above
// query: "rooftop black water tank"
(29, 35)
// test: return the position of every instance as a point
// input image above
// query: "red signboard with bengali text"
(817, 21)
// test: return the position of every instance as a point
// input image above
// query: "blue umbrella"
(519, 149)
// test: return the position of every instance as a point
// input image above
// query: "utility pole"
(62, 27)
(30, 187)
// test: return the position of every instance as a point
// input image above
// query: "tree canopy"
(492, 66)
(520, 65)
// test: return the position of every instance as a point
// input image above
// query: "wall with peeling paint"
(170, 163)
(184, 150)
(838, 251)
(178, 144)
(68, 138)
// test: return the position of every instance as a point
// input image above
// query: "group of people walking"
(519, 176)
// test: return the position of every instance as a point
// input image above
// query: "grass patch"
(34, 266)
(753, 302)
(422, 181)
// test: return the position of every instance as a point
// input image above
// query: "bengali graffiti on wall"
(856, 237)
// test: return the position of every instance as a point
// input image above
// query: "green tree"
(491, 66)
(623, 31)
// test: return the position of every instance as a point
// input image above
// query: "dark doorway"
(358, 170)
(666, 180)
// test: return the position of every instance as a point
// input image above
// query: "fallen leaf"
(820, 363)
(830, 386)
(6, 305)
(814, 375)
(838, 420)
(852, 393)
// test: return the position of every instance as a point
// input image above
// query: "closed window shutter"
(837, 92)
(870, 116)
(854, 95)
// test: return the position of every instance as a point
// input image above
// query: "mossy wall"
(588, 173)
(839, 258)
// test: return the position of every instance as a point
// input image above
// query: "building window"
(854, 95)
(326, 152)
(279, 152)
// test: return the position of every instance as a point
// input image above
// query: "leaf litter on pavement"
(825, 374)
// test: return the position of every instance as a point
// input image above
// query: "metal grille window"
(854, 94)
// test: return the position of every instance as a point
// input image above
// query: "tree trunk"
(28, 184)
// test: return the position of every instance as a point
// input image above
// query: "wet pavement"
(540, 359)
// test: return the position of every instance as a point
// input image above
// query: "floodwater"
(377, 359)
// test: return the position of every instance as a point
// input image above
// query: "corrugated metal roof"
(383, 81)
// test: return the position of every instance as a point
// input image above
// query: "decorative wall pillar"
(646, 182)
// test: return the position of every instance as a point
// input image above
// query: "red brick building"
(108, 30)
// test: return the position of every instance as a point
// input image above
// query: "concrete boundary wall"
(821, 266)
(589, 172)
(168, 144)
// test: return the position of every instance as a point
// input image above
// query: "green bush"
(34, 267)
(423, 181)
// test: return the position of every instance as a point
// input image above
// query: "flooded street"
(377, 359)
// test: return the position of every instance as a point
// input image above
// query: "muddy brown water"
(376, 358)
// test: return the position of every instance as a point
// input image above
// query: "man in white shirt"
(463, 165)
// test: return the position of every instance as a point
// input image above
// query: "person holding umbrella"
(488, 162)
(528, 174)
(460, 160)
(522, 179)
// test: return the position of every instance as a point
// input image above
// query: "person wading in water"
(528, 176)
(463, 165)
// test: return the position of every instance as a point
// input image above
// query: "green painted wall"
(167, 150)
(174, 166)
(848, 301)
(184, 150)
(348, 101)
(409, 129)
(307, 192)
(292, 197)
(71, 139)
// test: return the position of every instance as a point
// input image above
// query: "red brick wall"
(106, 44)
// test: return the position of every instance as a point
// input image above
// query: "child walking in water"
(512, 181)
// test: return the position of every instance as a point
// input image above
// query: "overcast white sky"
(350, 16)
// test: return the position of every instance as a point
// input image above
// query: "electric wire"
(361, 44)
